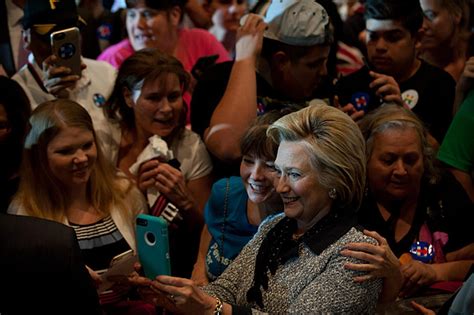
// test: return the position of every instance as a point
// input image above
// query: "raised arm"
(238, 107)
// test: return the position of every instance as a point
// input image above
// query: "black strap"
(36, 77)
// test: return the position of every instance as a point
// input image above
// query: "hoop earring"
(332, 193)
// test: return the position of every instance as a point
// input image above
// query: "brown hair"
(144, 65)
(255, 141)
(390, 116)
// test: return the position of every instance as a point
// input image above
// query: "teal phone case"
(152, 245)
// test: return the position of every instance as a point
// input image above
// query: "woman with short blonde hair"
(293, 265)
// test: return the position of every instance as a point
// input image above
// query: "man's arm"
(238, 107)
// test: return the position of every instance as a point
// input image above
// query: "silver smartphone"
(66, 45)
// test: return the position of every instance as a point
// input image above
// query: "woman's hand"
(146, 175)
(95, 277)
(417, 275)
(168, 180)
(421, 309)
(184, 293)
(199, 276)
(381, 262)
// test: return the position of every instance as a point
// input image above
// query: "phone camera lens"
(150, 238)
(67, 50)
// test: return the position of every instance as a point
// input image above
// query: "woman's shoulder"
(232, 186)
(187, 141)
(269, 222)
(355, 235)
(189, 136)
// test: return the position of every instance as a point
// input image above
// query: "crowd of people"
(309, 156)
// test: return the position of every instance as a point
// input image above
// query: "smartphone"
(152, 245)
(202, 65)
(66, 46)
(358, 92)
(120, 266)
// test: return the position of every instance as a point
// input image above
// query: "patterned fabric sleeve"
(334, 290)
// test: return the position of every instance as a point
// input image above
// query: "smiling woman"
(293, 263)
(65, 178)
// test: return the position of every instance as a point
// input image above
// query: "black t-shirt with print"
(429, 93)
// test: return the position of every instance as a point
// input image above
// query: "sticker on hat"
(99, 100)
(410, 98)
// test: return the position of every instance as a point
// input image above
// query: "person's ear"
(128, 97)
(26, 37)
(174, 15)
(417, 38)
(281, 60)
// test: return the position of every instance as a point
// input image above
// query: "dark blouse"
(444, 207)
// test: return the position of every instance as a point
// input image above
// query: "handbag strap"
(224, 221)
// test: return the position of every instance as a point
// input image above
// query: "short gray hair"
(389, 117)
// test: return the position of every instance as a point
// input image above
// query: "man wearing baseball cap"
(43, 79)
(280, 57)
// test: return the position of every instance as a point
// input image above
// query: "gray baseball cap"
(297, 22)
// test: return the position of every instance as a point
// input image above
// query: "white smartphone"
(66, 45)
(121, 266)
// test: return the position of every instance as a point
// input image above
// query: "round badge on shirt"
(410, 97)
(422, 251)
(99, 99)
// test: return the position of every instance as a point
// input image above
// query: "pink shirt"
(192, 45)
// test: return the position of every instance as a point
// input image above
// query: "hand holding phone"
(152, 245)
(120, 267)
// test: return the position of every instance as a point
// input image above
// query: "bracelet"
(218, 308)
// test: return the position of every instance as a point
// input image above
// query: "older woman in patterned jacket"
(293, 264)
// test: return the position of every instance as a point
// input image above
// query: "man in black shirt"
(392, 38)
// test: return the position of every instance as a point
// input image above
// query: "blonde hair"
(335, 145)
(389, 117)
(40, 193)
